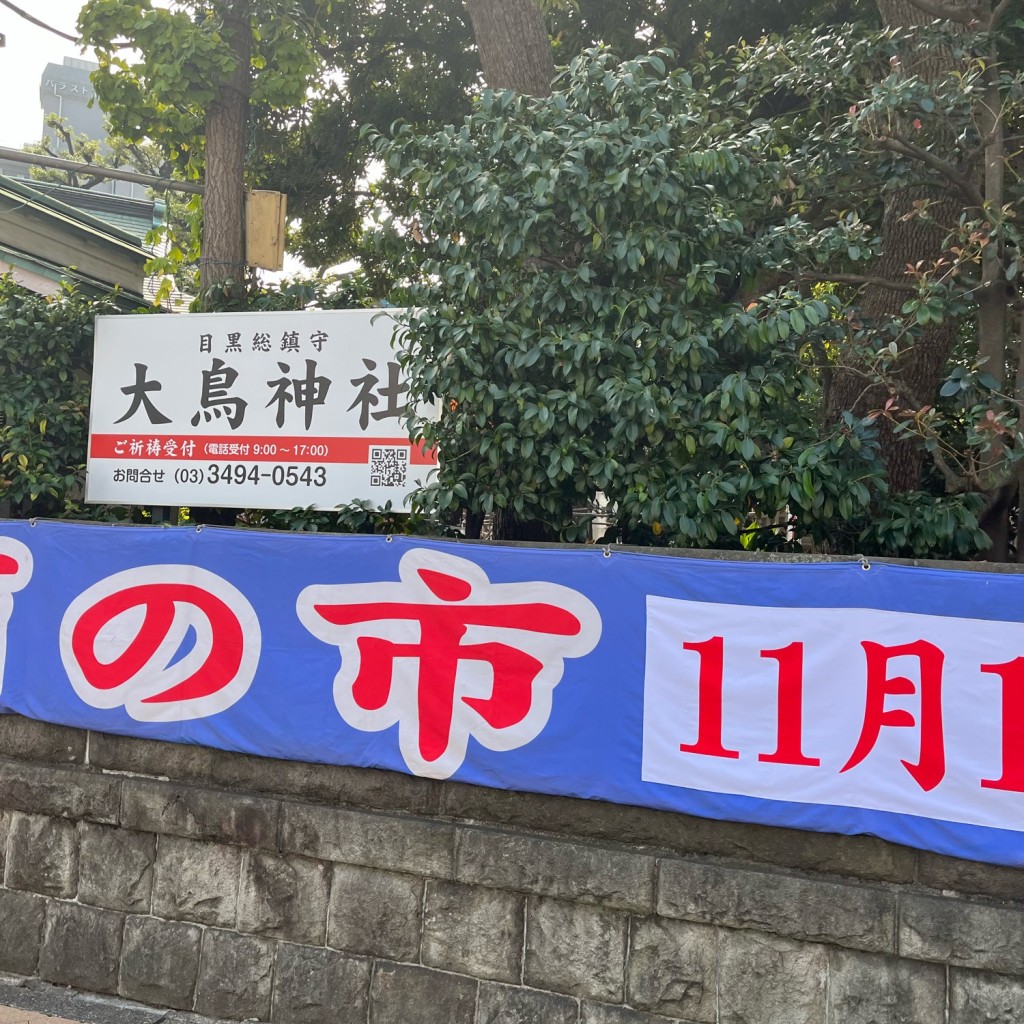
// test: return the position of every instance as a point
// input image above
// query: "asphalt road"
(28, 1001)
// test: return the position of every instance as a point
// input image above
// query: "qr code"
(388, 467)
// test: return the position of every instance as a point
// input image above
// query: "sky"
(29, 49)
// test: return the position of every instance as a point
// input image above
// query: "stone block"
(115, 868)
(586, 872)
(403, 994)
(575, 949)
(860, 916)
(330, 784)
(962, 933)
(160, 962)
(81, 947)
(865, 988)
(858, 856)
(59, 792)
(602, 1013)
(182, 762)
(285, 897)
(472, 930)
(977, 997)
(972, 877)
(372, 788)
(235, 973)
(25, 739)
(504, 1004)
(463, 801)
(378, 913)
(196, 881)
(42, 855)
(21, 931)
(673, 969)
(197, 813)
(387, 842)
(766, 978)
(316, 985)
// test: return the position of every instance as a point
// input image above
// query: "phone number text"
(239, 474)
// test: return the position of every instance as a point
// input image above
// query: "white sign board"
(258, 410)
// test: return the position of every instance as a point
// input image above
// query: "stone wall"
(243, 887)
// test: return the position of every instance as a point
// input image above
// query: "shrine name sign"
(836, 697)
(258, 410)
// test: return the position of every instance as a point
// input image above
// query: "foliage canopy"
(593, 307)
(576, 312)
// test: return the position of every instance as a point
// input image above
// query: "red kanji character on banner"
(121, 642)
(930, 767)
(446, 654)
(15, 572)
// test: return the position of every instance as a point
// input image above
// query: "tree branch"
(956, 483)
(65, 134)
(897, 144)
(997, 14)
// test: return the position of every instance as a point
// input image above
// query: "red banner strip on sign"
(184, 448)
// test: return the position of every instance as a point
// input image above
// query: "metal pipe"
(57, 164)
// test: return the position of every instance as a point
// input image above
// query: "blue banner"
(836, 697)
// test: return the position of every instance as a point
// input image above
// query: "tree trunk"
(222, 253)
(227, 119)
(906, 239)
(515, 51)
(993, 311)
(918, 371)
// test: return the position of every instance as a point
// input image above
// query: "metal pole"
(57, 164)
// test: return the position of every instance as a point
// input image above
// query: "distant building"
(65, 90)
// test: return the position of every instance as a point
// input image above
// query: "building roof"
(134, 217)
(49, 234)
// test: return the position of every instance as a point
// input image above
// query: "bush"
(45, 367)
(578, 311)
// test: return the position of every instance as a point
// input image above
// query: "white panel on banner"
(260, 410)
(849, 707)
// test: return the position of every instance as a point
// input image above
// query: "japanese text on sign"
(271, 410)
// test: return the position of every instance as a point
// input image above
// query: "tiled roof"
(132, 216)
